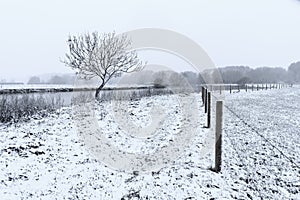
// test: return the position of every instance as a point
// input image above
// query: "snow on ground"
(264, 149)
(46, 159)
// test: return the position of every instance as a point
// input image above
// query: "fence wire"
(265, 174)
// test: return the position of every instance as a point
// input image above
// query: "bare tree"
(101, 55)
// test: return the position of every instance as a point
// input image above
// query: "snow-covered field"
(263, 149)
(46, 158)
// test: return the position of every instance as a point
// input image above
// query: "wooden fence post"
(252, 87)
(230, 88)
(257, 87)
(208, 109)
(202, 92)
(246, 88)
(205, 100)
(220, 89)
(218, 144)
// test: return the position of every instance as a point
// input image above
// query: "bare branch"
(104, 56)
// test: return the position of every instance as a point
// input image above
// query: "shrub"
(16, 107)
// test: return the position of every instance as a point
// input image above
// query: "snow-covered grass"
(264, 149)
(14, 108)
(46, 158)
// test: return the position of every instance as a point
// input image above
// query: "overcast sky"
(232, 32)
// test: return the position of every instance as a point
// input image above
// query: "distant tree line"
(162, 78)
(243, 75)
(56, 79)
(231, 74)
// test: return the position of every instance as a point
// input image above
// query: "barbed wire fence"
(261, 167)
(259, 163)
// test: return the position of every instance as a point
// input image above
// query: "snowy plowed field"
(46, 159)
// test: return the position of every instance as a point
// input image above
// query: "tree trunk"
(98, 90)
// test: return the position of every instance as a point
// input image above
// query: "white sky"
(232, 32)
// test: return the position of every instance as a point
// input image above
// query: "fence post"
(252, 87)
(220, 89)
(218, 144)
(202, 92)
(238, 87)
(208, 109)
(205, 100)
(230, 88)
(246, 88)
(257, 87)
